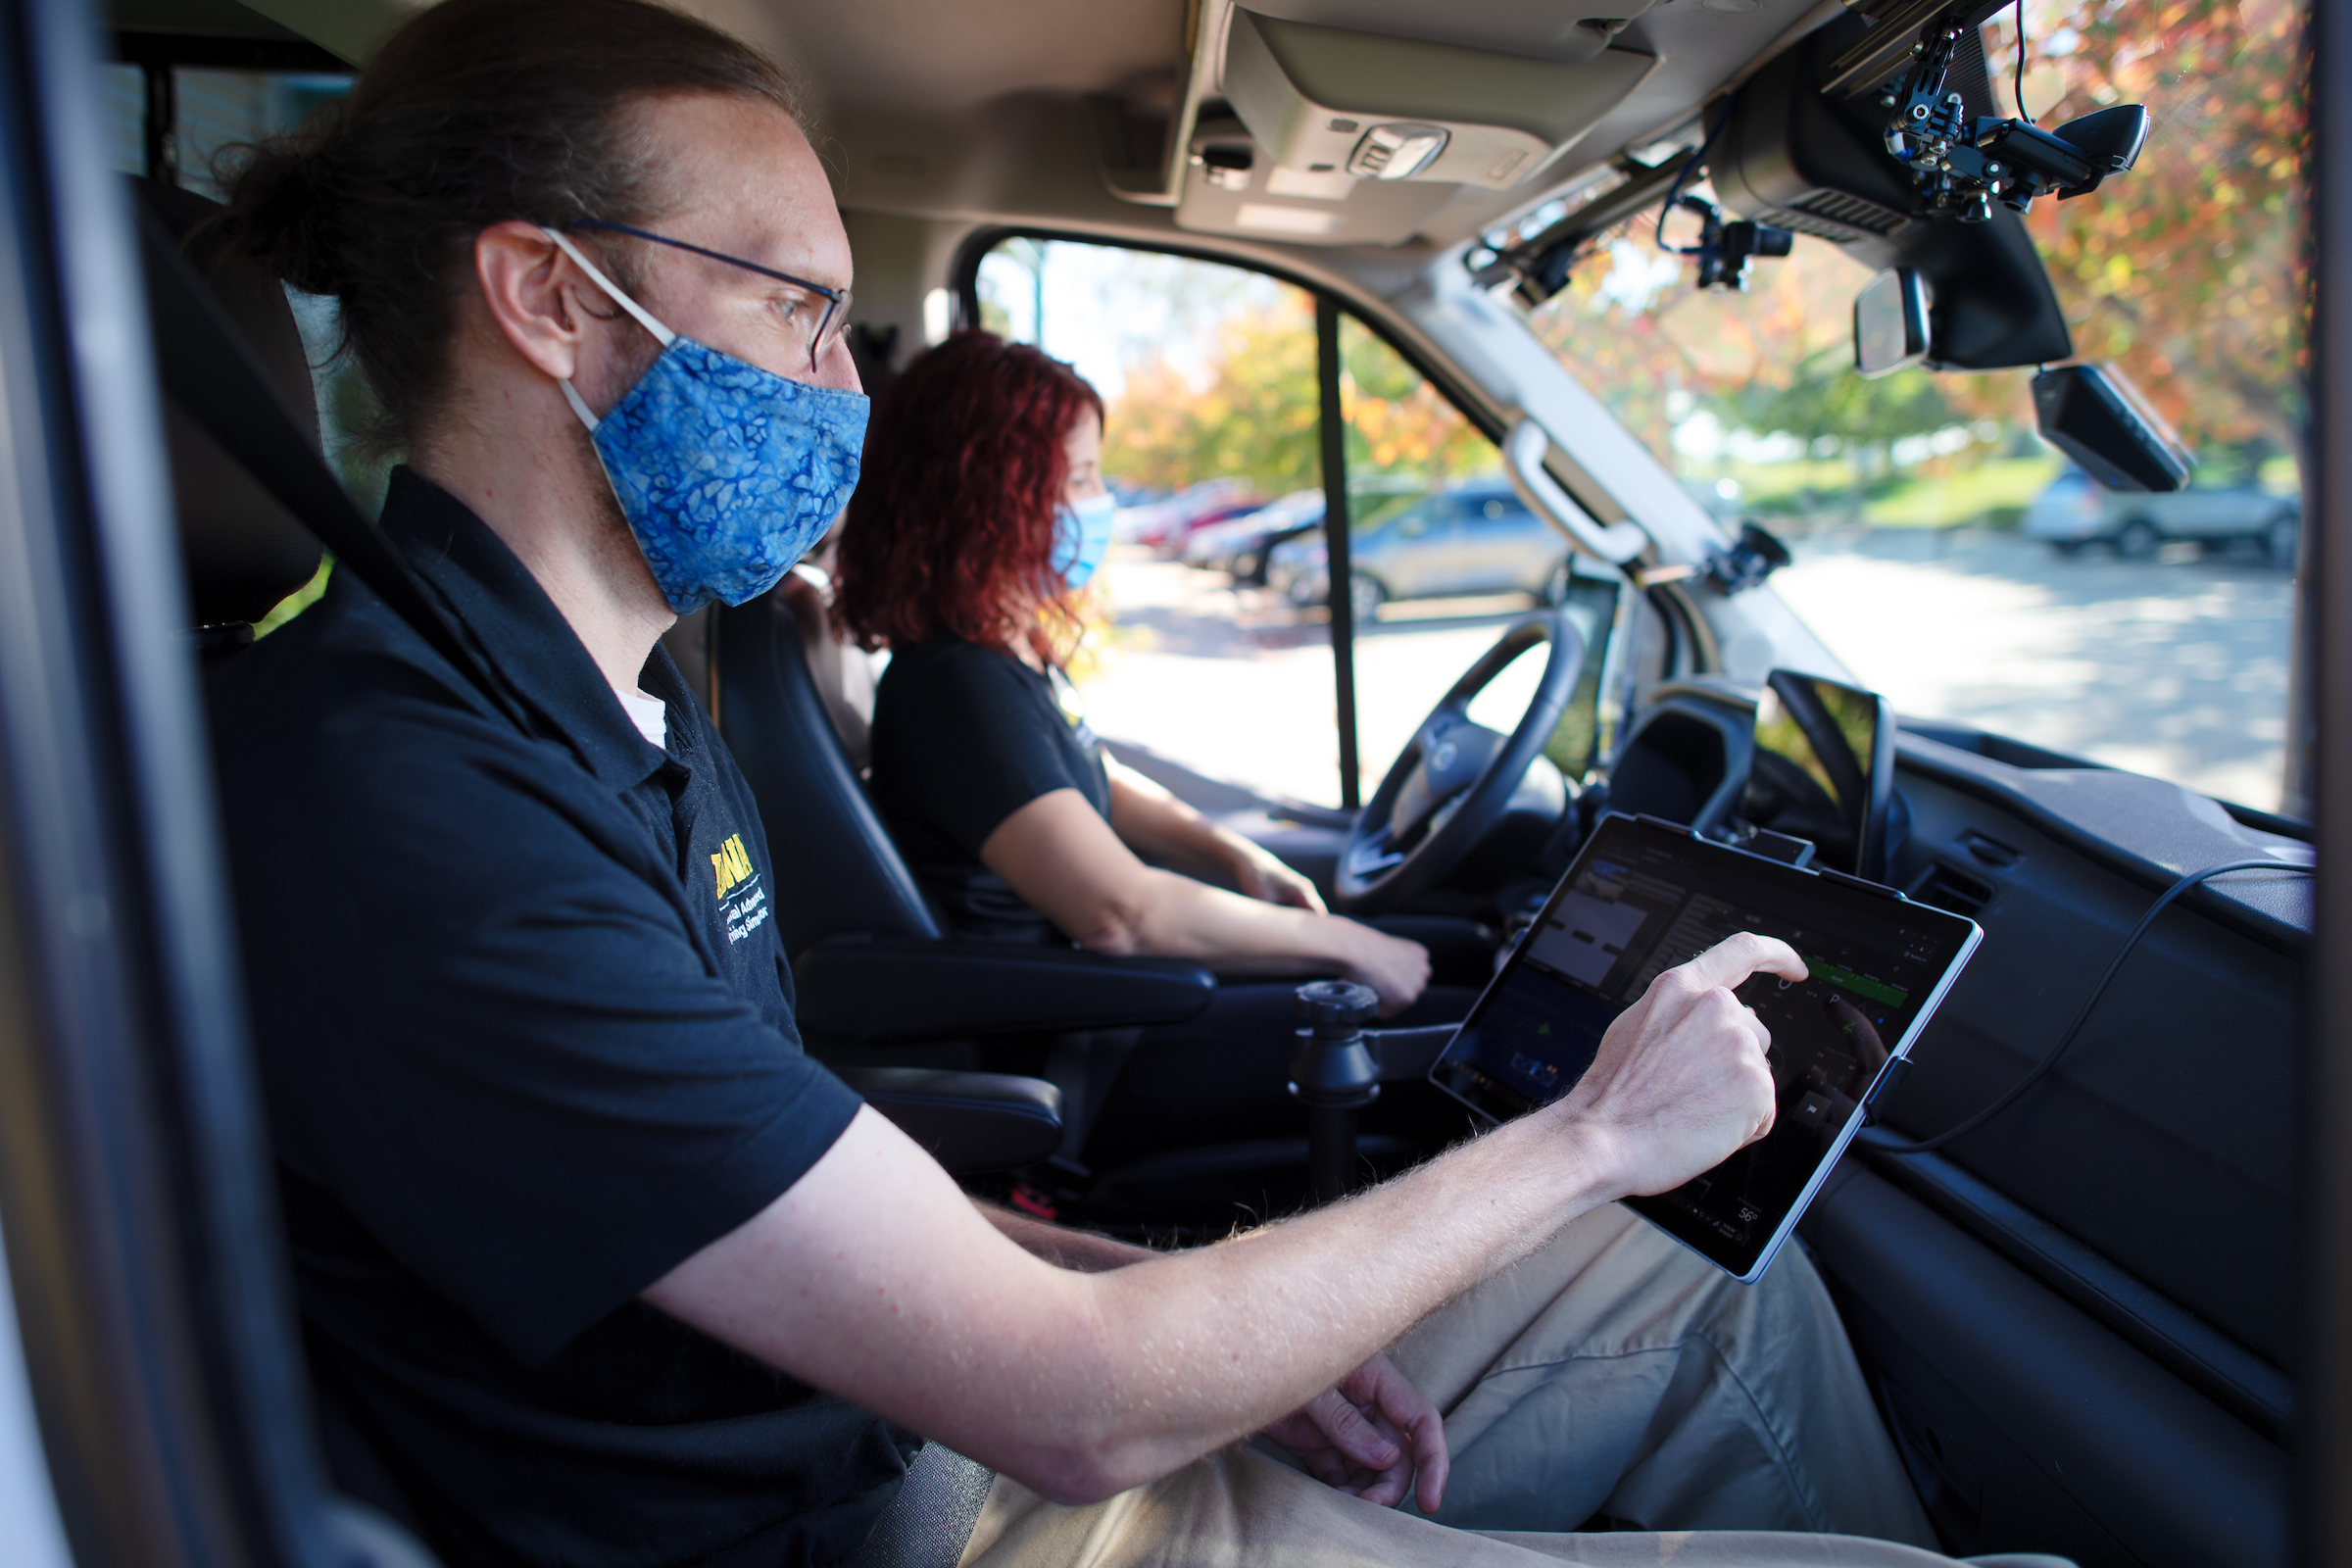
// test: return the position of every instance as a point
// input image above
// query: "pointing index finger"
(1729, 962)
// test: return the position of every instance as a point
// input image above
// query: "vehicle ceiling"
(977, 110)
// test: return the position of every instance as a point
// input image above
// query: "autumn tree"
(2187, 271)
(1247, 406)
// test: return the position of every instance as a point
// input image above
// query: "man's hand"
(1374, 1436)
(1681, 1083)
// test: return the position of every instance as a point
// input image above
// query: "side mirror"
(1890, 323)
(2095, 416)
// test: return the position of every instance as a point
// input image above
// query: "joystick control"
(1334, 1075)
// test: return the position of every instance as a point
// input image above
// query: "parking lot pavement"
(2176, 667)
(1238, 685)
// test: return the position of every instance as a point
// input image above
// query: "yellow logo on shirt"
(731, 864)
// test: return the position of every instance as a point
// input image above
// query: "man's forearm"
(1289, 1308)
(1083, 1250)
(873, 1275)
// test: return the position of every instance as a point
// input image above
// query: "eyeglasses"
(831, 321)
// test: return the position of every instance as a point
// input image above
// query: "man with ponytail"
(595, 1265)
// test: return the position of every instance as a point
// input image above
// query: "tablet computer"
(1644, 896)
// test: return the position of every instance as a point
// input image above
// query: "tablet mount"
(1334, 1075)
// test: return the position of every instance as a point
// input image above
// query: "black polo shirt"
(965, 736)
(526, 1034)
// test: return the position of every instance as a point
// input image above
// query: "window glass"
(1941, 548)
(1210, 638)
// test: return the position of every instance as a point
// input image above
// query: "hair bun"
(284, 210)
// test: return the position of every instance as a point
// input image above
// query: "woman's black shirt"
(965, 736)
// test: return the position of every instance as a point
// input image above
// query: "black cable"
(1682, 176)
(2020, 90)
(1872, 1138)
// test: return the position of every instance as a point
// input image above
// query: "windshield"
(1944, 550)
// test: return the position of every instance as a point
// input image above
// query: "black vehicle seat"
(836, 867)
(878, 978)
(240, 550)
(844, 673)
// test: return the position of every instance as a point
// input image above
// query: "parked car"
(2076, 510)
(1152, 523)
(1172, 540)
(1244, 546)
(1239, 545)
(1475, 538)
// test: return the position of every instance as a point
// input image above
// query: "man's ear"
(527, 283)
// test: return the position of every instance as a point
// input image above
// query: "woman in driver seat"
(981, 515)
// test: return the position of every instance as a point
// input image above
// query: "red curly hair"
(951, 528)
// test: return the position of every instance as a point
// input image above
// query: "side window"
(1208, 645)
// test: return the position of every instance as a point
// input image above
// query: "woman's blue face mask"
(1083, 537)
(727, 473)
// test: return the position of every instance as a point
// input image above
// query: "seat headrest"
(241, 551)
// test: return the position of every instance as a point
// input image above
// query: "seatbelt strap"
(209, 372)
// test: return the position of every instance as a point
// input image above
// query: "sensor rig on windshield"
(1956, 164)
(1961, 162)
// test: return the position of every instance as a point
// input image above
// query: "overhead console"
(1350, 122)
(1326, 100)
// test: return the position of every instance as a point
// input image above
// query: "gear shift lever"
(1335, 1076)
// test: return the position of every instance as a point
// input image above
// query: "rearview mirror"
(2095, 416)
(1890, 323)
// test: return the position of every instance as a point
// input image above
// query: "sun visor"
(1379, 110)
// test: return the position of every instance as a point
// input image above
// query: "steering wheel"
(1454, 778)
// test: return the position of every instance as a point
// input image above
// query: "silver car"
(2076, 510)
(1477, 538)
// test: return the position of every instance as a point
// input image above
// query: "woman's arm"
(1154, 823)
(1062, 856)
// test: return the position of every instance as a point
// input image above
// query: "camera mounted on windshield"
(1961, 162)
(1724, 250)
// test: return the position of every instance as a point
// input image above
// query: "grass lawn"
(1962, 497)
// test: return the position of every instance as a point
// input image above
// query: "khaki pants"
(1612, 1375)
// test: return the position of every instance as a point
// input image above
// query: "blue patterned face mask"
(726, 472)
(1082, 537)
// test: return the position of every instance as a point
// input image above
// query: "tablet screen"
(1645, 897)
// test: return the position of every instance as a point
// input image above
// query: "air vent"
(1818, 228)
(1947, 887)
(1987, 850)
(1851, 211)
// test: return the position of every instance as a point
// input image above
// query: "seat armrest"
(1406, 1054)
(887, 990)
(971, 1122)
